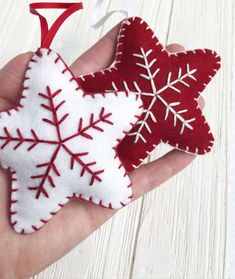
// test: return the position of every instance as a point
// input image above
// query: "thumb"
(11, 77)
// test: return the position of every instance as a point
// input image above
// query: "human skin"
(22, 256)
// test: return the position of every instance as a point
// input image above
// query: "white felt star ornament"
(60, 142)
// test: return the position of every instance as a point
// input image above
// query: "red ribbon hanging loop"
(47, 35)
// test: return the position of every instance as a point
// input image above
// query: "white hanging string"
(95, 22)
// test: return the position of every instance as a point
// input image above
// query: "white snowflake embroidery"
(149, 74)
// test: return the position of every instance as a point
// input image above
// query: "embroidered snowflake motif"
(156, 94)
(169, 86)
(59, 143)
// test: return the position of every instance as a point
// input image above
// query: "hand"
(22, 256)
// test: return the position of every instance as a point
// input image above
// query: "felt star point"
(60, 142)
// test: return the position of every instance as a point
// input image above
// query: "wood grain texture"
(178, 230)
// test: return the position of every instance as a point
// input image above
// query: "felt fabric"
(60, 142)
(169, 85)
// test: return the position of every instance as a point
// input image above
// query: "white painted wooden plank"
(230, 241)
(191, 207)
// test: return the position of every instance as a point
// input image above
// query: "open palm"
(21, 256)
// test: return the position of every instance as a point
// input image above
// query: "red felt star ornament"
(169, 85)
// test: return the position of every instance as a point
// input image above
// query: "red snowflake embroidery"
(49, 169)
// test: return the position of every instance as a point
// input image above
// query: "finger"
(99, 56)
(11, 76)
(173, 48)
(4, 104)
(201, 102)
(151, 175)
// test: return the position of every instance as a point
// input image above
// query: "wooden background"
(179, 230)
